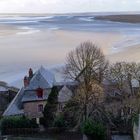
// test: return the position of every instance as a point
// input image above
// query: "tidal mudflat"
(31, 41)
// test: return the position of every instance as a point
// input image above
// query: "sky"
(67, 6)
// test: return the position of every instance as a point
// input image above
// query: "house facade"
(32, 97)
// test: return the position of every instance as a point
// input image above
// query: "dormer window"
(39, 93)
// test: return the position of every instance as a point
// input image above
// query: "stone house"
(32, 98)
(65, 94)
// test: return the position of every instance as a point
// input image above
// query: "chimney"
(30, 73)
(26, 81)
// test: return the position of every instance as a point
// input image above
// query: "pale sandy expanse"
(7, 30)
(52, 46)
(24, 48)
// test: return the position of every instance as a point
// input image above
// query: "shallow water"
(68, 22)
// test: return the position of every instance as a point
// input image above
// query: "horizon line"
(3, 13)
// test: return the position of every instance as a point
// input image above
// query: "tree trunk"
(85, 112)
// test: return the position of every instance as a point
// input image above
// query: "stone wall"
(31, 109)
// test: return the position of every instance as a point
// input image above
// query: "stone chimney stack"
(26, 81)
(30, 73)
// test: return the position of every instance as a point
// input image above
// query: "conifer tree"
(51, 107)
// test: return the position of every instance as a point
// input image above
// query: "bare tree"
(116, 76)
(121, 75)
(136, 72)
(87, 61)
(130, 72)
(87, 65)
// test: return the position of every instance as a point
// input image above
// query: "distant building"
(111, 89)
(7, 93)
(32, 98)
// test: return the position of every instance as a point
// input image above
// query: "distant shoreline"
(120, 18)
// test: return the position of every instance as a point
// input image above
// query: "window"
(39, 93)
(40, 108)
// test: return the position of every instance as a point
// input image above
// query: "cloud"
(62, 6)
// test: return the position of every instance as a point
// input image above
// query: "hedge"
(16, 122)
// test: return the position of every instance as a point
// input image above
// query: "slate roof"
(65, 94)
(42, 78)
(15, 107)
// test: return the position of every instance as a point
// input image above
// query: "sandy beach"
(43, 45)
(50, 46)
(7, 30)
(130, 54)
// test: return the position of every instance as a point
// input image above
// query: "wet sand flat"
(21, 48)
(121, 18)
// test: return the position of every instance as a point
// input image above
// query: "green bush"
(42, 121)
(94, 130)
(16, 122)
(59, 122)
(71, 112)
